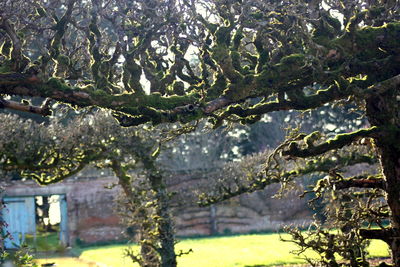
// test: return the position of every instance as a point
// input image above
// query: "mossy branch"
(337, 142)
(18, 60)
(226, 193)
(318, 99)
(373, 182)
(45, 174)
(154, 107)
(326, 164)
(60, 29)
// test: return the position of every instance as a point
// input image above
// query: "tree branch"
(44, 110)
(367, 182)
(339, 141)
(57, 89)
(381, 234)
(381, 87)
(19, 62)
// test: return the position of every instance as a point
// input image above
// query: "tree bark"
(383, 111)
(165, 225)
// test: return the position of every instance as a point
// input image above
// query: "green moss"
(88, 88)
(6, 66)
(293, 60)
(220, 53)
(371, 42)
(221, 56)
(133, 101)
(190, 116)
(94, 29)
(58, 84)
(262, 59)
(217, 87)
(376, 11)
(257, 15)
(236, 58)
(267, 78)
(160, 102)
(345, 138)
(178, 88)
(155, 115)
(250, 119)
(334, 22)
(63, 60)
(286, 68)
(237, 39)
(309, 139)
(223, 35)
(235, 91)
(100, 93)
(132, 74)
(5, 48)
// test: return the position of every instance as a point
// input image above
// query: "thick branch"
(381, 87)
(128, 103)
(216, 104)
(325, 164)
(308, 102)
(368, 182)
(339, 141)
(43, 110)
(381, 234)
(19, 62)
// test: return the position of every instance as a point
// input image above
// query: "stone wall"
(92, 217)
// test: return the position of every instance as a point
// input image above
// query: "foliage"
(227, 61)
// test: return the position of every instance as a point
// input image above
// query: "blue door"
(64, 221)
(19, 217)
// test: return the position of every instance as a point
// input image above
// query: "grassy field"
(66, 262)
(244, 250)
(44, 242)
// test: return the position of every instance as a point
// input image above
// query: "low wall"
(92, 217)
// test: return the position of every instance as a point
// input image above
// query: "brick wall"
(92, 218)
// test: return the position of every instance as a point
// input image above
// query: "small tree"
(48, 155)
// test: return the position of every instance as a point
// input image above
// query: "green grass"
(65, 262)
(244, 250)
(44, 242)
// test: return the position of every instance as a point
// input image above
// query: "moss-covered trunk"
(155, 228)
(164, 224)
(390, 162)
(383, 111)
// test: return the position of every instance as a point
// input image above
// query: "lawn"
(44, 242)
(244, 250)
(66, 262)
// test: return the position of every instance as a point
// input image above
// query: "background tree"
(54, 151)
(256, 57)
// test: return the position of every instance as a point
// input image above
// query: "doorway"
(40, 222)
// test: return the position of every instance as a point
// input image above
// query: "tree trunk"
(383, 111)
(390, 162)
(161, 250)
(165, 225)
(149, 256)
